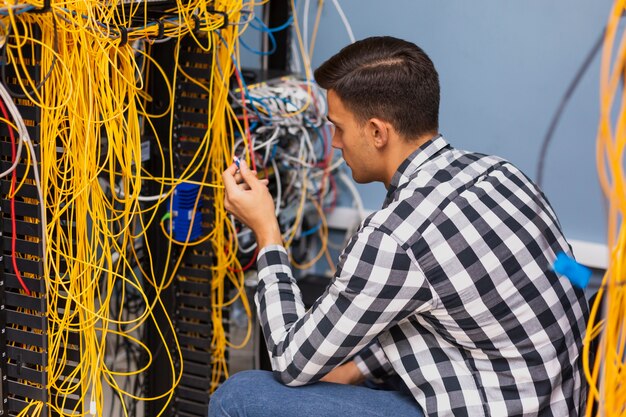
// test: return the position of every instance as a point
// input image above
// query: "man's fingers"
(242, 178)
(228, 176)
(232, 169)
(239, 177)
(248, 176)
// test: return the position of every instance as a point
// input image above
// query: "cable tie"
(161, 32)
(578, 274)
(44, 9)
(196, 26)
(223, 14)
(123, 36)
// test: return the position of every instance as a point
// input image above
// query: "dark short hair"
(388, 78)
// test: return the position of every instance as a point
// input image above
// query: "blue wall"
(504, 67)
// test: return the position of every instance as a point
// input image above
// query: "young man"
(448, 287)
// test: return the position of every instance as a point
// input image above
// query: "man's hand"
(347, 373)
(248, 199)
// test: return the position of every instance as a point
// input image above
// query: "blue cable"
(267, 109)
(264, 27)
(246, 92)
(311, 231)
(270, 33)
(317, 132)
(253, 125)
(321, 138)
(18, 12)
(257, 52)
(287, 101)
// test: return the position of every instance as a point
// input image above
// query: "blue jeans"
(257, 393)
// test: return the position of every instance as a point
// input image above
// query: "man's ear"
(378, 131)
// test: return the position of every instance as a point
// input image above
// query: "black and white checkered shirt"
(451, 286)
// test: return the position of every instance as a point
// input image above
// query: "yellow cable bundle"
(93, 118)
(607, 376)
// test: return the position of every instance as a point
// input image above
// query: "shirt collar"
(410, 165)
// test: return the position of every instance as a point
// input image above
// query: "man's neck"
(400, 150)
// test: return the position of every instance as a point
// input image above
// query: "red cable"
(249, 265)
(13, 181)
(252, 261)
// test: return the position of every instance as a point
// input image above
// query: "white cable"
(298, 161)
(269, 144)
(279, 188)
(265, 39)
(290, 95)
(305, 26)
(301, 149)
(152, 197)
(249, 249)
(24, 136)
(249, 109)
(330, 169)
(336, 164)
(295, 64)
(120, 194)
(21, 128)
(312, 159)
(269, 141)
(344, 19)
(246, 231)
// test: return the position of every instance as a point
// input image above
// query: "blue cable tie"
(578, 274)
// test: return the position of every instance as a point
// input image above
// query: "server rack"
(23, 318)
(188, 299)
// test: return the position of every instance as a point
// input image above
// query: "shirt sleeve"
(373, 363)
(376, 286)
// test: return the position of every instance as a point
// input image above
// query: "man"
(448, 287)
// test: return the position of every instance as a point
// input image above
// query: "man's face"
(350, 137)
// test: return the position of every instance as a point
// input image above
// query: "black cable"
(566, 97)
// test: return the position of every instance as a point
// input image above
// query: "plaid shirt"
(450, 287)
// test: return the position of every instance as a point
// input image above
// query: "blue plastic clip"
(236, 161)
(578, 274)
(185, 211)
